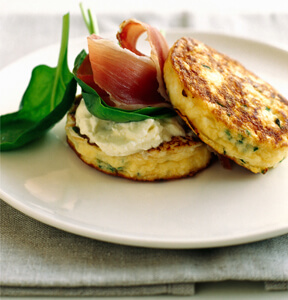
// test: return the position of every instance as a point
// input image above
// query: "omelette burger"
(123, 123)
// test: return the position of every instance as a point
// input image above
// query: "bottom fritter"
(181, 157)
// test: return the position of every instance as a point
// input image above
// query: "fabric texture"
(34, 34)
(39, 260)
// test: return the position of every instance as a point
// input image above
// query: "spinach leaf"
(49, 95)
(98, 108)
(102, 111)
(90, 21)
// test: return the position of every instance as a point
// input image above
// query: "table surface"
(204, 291)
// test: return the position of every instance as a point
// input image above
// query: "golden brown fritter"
(231, 109)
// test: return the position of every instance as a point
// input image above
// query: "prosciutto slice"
(85, 74)
(131, 79)
(128, 35)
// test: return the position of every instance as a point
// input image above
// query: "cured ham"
(85, 74)
(129, 78)
(128, 35)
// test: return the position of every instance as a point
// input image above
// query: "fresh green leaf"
(49, 95)
(90, 21)
(19, 128)
(96, 107)
(79, 60)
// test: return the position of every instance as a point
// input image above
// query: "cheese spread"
(121, 139)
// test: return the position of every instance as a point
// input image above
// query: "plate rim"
(129, 240)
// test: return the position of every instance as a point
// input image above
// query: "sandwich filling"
(121, 139)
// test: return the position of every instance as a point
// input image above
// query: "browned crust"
(232, 97)
(122, 175)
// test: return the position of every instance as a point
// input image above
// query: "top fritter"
(231, 109)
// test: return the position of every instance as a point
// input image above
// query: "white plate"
(217, 207)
